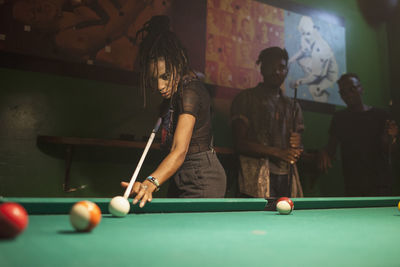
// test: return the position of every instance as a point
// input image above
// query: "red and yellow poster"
(237, 30)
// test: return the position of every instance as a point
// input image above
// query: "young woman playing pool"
(191, 162)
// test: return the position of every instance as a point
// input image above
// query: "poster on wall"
(237, 30)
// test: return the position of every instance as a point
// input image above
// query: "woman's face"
(166, 80)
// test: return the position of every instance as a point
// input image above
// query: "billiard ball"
(119, 206)
(284, 205)
(84, 216)
(398, 205)
(13, 219)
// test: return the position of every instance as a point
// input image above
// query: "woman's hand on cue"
(143, 191)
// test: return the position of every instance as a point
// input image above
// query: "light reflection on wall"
(20, 115)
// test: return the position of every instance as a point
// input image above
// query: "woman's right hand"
(135, 189)
(143, 191)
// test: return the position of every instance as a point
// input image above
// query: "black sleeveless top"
(194, 99)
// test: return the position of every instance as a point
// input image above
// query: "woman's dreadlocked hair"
(159, 42)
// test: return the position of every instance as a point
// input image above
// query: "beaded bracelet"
(154, 181)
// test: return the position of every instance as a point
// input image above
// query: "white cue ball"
(119, 206)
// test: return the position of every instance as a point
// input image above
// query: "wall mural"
(223, 41)
(93, 32)
(317, 57)
(236, 33)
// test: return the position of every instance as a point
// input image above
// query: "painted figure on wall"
(317, 61)
(93, 31)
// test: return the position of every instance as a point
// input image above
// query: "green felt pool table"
(212, 232)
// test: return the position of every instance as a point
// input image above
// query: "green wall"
(33, 103)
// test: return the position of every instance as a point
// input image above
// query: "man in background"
(366, 136)
(263, 134)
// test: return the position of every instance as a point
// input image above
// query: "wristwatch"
(154, 181)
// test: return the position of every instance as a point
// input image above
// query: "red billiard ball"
(85, 215)
(284, 205)
(13, 219)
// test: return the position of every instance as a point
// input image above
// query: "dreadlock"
(158, 42)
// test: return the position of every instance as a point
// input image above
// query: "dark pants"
(279, 185)
(200, 176)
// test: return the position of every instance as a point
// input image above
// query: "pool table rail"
(158, 205)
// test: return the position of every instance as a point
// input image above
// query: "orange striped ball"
(85, 215)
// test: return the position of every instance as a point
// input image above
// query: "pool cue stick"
(146, 149)
(291, 167)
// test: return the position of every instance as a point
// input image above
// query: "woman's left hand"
(143, 191)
